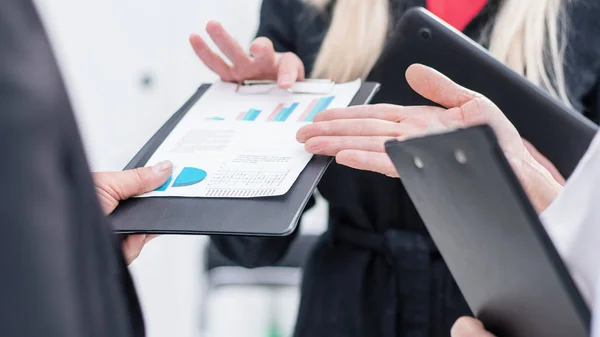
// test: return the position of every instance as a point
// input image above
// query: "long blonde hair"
(527, 35)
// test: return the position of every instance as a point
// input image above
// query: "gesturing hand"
(263, 64)
(356, 136)
(112, 187)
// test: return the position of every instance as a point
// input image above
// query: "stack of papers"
(233, 145)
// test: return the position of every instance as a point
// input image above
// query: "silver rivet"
(460, 156)
(419, 163)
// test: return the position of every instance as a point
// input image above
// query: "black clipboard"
(560, 133)
(273, 216)
(489, 234)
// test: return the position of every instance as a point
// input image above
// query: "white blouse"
(573, 223)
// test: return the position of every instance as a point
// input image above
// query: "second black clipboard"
(489, 234)
(560, 133)
(269, 216)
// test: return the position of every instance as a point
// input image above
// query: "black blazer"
(62, 271)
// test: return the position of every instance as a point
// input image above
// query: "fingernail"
(162, 166)
(285, 79)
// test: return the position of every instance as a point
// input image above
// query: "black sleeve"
(253, 252)
(62, 272)
(591, 103)
(582, 71)
(277, 23)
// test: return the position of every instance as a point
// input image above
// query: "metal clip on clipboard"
(309, 86)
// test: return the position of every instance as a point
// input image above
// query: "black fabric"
(62, 270)
(295, 256)
(350, 287)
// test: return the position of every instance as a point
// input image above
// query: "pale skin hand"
(112, 187)
(263, 63)
(469, 327)
(547, 164)
(356, 135)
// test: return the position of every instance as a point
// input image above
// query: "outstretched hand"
(263, 63)
(356, 135)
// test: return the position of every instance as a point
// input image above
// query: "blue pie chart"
(189, 176)
(165, 185)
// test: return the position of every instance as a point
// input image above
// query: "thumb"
(438, 88)
(130, 183)
(469, 327)
(291, 69)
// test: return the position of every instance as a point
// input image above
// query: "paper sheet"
(231, 145)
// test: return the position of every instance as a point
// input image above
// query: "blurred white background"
(128, 66)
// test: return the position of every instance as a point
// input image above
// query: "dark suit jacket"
(61, 270)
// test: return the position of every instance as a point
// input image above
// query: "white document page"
(232, 145)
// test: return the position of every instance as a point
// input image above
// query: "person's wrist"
(538, 183)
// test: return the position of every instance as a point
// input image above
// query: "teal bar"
(289, 111)
(280, 115)
(283, 115)
(251, 115)
(316, 109)
(321, 105)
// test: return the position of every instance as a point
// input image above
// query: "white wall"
(105, 49)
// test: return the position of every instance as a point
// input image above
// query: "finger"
(469, 327)
(291, 69)
(331, 146)
(436, 87)
(228, 45)
(263, 51)
(150, 237)
(389, 112)
(213, 61)
(132, 246)
(351, 127)
(367, 161)
(130, 183)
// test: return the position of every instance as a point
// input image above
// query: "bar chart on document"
(282, 112)
(232, 145)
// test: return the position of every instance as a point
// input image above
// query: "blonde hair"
(529, 36)
(356, 37)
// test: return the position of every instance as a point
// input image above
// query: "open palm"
(356, 136)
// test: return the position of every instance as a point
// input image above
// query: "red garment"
(457, 13)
